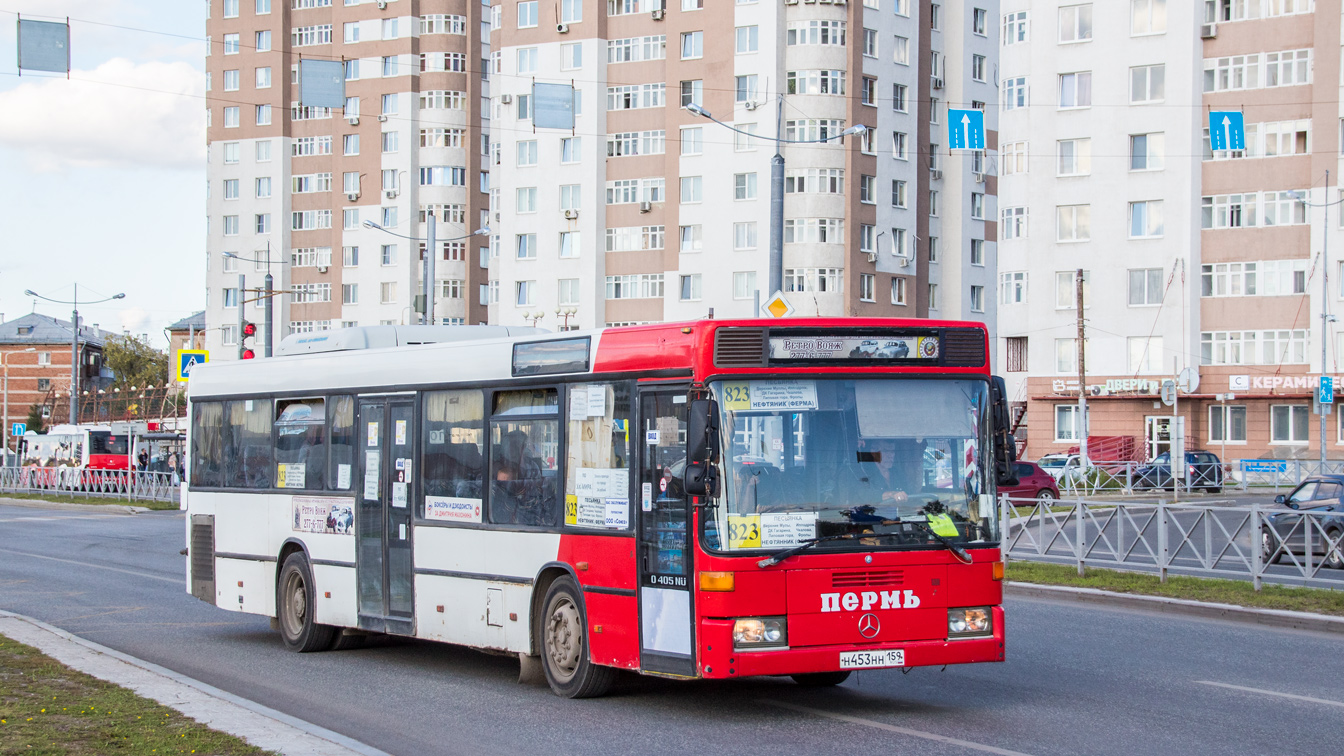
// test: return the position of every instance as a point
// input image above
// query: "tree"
(34, 421)
(134, 362)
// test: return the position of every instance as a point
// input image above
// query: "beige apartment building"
(1192, 258)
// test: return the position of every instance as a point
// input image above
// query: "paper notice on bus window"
(373, 434)
(597, 401)
(594, 492)
(291, 475)
(783, 395)
(371, 475)
(668, 430)
(781, 530)
(399, 495)
(452, 509)
(578, 403)
(618, 513)
(986, 507)
(343, 476)
(401, 432)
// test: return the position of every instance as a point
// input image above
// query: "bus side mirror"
(702, 448)
(1005, 446)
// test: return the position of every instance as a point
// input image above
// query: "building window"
(388, 256)
(526, 246)
(1227, 423)
(1147, 84)
(933, 296)
(900, 51)
(1013, 287)
(747, 39)
(977, 206)
(744, 284)
(977, 299)
(526, 199)
(744, 235)
(527, 14)
(898, 286)
(524, 293)
(1075, 157)
(870, 43)
(1066, 290)
(1015, 28)
(1145, 219)
(692, 92)
(692, 45)
(571, 11)
(868, 190)
(690, 287)
(1066, 422)
(527, 153)
(744, 186)
(1146, 151)
(978, 67)
(1150, 17)
(1288, 423)
(1075, 90)
(691, 238)
(691, 187)
(866, 287)
(1075, 23)
(900, 98)
(1014, 225)
(1014, 93)
(898, 193)
(1016, 354)
(1145, 286)
(978, 252)
(1073, 223)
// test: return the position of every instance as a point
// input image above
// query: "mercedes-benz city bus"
(710, 499)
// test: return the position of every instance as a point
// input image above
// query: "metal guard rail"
(75, 481)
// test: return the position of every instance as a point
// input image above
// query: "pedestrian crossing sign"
(189, 358)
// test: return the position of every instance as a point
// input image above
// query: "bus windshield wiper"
(780, 556)
(866, 516)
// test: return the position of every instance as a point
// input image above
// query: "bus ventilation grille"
(870, 579)
(964, 347)
(203, 557)
(739, 347)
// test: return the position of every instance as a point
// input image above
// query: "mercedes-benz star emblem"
(869, 626)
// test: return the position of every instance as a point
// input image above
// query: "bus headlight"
(971, 622)
(760, 632)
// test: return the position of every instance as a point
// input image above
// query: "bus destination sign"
(853, 347)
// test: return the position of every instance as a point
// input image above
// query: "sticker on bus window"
(292, 475)
(373, 434)
(401, 433)
(600, 499)
(452, 509)
(782, 530)
(744, 531)
(343, 476)
(618, 513)
(571, 509)
(597, 400)
(399, 495)
(371, 475)
(736, 396)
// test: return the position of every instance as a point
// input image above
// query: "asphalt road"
(1078, 680)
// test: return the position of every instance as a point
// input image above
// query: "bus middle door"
(666, 614)
(384, 568)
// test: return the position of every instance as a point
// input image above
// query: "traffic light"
(248, 331)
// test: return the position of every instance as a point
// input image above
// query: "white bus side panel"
(255, 595)
(243, 525)
(342, 609)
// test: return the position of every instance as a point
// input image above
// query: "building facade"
(1191, 258)
(291, 186)
(35, 354)
(645, 211)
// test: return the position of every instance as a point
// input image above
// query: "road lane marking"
(175, 581)
(1262, 692)
(893, 728)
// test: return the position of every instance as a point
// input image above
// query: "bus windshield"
(806, 459)
(103, 442)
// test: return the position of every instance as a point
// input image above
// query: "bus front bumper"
(718, 658)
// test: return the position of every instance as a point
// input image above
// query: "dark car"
(1202, 470)
(1288, 531)
(1032, 483)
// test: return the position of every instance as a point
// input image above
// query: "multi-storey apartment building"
(1191, 258)
(291, 185)
(645, 211)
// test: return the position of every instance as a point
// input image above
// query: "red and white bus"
(89, 447)
(710, 499)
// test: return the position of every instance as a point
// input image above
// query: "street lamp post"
(427, 286)
(1326, 317)
(4, 360)
(74, 343)
(777, 181)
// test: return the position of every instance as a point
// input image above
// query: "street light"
(266, 306)
(427, 286)
(74, 343)
(1326, 317)
(777, 181)
(4, 362)
(566, 313)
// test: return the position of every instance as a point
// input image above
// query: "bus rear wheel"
(563, 632)
(821, 679)
(295, 604)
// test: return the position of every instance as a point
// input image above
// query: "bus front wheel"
(295, 608)
(570, 671)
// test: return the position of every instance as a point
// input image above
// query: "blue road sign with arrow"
(1227, 130)
(966, 129)
(18, 429)
(1325, 390)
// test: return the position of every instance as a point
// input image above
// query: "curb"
(259, 725)
(71, 506)
(1270, 617)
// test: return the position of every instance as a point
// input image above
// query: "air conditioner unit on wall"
(1208, 31)
(354, 120)
(506, 98)
(382, 4)
(658, 14)
(937, 82)
(904, 260)
(935, 174)
(382, 119)
(352, 196)
(645, 207)
(979, 177)
(391, 193)
(562, 28)
(571, 214)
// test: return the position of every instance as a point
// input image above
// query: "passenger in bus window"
(518, 488)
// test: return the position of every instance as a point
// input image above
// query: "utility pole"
(429, 271)
(777, 206)
(1325, 302)
(74, 360)
(266, 306)
(1081, 424)
(242, 293)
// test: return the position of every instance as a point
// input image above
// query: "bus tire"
(562, 632)
(821, 679)
(295, 601)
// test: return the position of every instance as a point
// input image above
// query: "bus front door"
(383, 527)
(666, 612)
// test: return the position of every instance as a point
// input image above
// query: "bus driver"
(889, 470)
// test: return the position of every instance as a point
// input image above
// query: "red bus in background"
(87, 447)
(710, 499)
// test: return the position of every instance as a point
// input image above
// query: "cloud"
(121, 114)
(134, 320)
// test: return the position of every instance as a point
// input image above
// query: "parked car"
(1032, 483)
(1288, 531)
(1202, 470)
(1066, 469)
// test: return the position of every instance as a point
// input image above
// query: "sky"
(102, 176)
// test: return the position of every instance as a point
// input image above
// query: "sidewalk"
(71, 506)
(259, 725)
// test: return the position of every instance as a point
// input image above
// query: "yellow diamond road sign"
(777, 306)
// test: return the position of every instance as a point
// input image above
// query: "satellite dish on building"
(1188, 381)
(1168, 392)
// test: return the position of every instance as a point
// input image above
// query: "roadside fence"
(1105, 477)
(57, 482)
(1241, 542)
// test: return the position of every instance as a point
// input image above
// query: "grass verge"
(48, 709)
(64, 498)
(1239, 592)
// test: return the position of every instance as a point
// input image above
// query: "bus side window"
(524, 451)
(597, 456)
(207, 442)
(300, 443)
(341, 431)
(247, 442)
(453, 466)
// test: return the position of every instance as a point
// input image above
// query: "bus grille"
(739, 347)
(964, 347)
(203, 557)
(869, 579)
